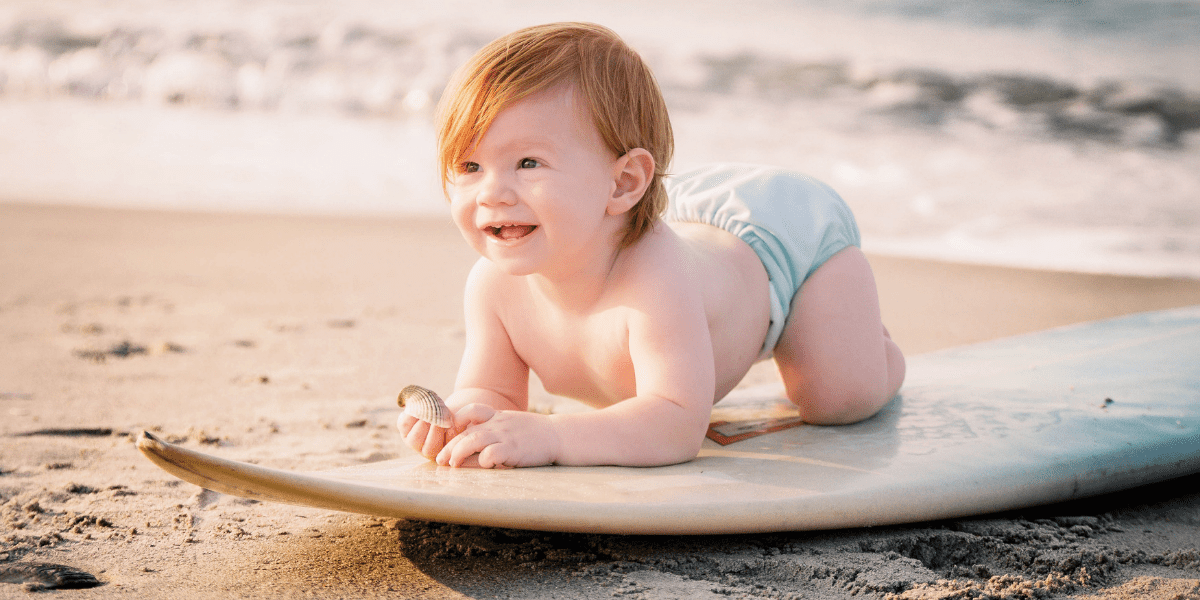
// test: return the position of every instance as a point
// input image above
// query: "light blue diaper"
(792, 221)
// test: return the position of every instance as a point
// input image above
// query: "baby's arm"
(488, 357)
(664, 423)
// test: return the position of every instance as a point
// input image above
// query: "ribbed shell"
(425, 405)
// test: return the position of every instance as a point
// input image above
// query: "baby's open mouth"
(510, 232)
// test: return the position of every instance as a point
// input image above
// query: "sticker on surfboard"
(727, 432)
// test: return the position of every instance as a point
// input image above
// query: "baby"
(553, 147)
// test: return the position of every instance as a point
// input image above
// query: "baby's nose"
(496, 190)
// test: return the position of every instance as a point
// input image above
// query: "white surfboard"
(1029, 420)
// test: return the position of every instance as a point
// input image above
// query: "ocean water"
(1047, 134)
(1153, 21)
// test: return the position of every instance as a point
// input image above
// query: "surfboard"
(1029, 420)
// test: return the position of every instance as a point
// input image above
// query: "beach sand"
(283, 341)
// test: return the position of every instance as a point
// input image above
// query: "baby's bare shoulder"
(486, 278)
(661, 267)
(488, 288)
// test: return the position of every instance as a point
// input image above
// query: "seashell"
(425, 405)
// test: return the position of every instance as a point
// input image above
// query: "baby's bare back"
(736, 298)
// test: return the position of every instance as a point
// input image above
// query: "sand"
(283, 340)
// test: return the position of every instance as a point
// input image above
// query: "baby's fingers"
(496, 456)
(417, 432)
(435, 440)
(423, 437)
(463, 446)
(472, 414)
(405, 423)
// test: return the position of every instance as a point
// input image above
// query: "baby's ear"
(632, 174)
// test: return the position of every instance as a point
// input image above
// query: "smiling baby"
(645, 296)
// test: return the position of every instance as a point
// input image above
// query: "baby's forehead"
(563, 100)
(545, 117)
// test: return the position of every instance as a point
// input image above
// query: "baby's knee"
(839, 403)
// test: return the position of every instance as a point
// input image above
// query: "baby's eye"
(529, 163)
(468, 167)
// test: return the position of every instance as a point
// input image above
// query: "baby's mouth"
(510, 232)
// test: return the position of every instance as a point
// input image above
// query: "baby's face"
(534, 195)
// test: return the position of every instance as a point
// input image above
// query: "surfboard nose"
(147, 441)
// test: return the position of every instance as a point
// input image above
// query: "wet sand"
(283, 340)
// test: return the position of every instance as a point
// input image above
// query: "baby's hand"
(505, 438)
(426, 422)
(423, 437)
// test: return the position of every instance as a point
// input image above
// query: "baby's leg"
(838, 362)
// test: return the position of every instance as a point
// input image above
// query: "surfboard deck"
(1029, 420)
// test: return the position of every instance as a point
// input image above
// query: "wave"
(356, 69)
(960, 157)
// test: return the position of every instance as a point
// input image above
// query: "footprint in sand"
(46, 576)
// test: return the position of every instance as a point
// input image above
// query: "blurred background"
(1049, 134)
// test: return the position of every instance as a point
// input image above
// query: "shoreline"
(914, 292)
(281, 340)
(963, 192)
